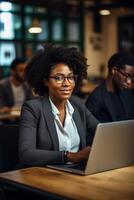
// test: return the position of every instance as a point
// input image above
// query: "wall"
(93, 41)
(100, 46)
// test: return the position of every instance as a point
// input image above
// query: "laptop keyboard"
(77, 166)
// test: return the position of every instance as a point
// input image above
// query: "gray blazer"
(38, 142)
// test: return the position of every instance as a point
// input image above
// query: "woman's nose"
(66, 81)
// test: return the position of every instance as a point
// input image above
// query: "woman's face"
(60, 83)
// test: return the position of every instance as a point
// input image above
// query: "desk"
(9, 116)
(115, 184)
(12, 115)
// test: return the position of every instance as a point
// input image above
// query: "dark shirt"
(118, 106)
(107, 107)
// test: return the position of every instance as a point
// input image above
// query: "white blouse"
(68, 136)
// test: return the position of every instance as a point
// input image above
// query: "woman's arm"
(30, 150)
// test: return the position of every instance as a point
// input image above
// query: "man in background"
(14, 90)
(112, 100)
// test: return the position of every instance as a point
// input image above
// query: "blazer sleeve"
(88, 120)
(29, 153)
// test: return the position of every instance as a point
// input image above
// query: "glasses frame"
(127, 76)
(73, 81)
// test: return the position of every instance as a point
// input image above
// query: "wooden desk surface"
(8, 116)
(115, 184)
(13, 114)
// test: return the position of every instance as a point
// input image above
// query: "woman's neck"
(60, 105)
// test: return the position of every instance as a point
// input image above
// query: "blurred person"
(85, 88)
(14, 90)
(112, 100)
(55, 127)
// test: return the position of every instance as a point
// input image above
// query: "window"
(8, 51)
(57, 32)
(126, 34)
(10, 25)
(58, 27)
(73, 30)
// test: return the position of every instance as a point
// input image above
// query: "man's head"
(17, 69)
(121, 69)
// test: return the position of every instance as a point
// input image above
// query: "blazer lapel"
(50, 122)
(51, 125)
(80, 128)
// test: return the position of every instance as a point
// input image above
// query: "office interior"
(97, 28)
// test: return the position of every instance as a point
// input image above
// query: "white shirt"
(68, 136)
(19, 95)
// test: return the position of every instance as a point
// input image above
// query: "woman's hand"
(79, 156)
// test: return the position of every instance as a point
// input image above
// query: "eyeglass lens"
(61, 78)
(127, 76)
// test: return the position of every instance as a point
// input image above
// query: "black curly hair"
(16, 62)
(119, 60)
(41, 64)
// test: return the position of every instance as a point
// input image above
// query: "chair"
(9, 135)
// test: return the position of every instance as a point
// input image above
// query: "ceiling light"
(104, 12)
(35, 28)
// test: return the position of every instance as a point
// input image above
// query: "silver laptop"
(113, 147)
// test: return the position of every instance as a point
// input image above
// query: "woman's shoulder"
(34, 102)
(34, 106)
(77, 101)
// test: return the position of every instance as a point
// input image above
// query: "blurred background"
(98, 28)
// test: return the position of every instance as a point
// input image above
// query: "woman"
(55, 127)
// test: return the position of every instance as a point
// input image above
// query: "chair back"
(9, 136)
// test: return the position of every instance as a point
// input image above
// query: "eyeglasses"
(127, 76)
(61, 78)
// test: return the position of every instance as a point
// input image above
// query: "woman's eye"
(58, 78)
(71, 77)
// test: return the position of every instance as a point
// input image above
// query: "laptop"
(113, 147)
